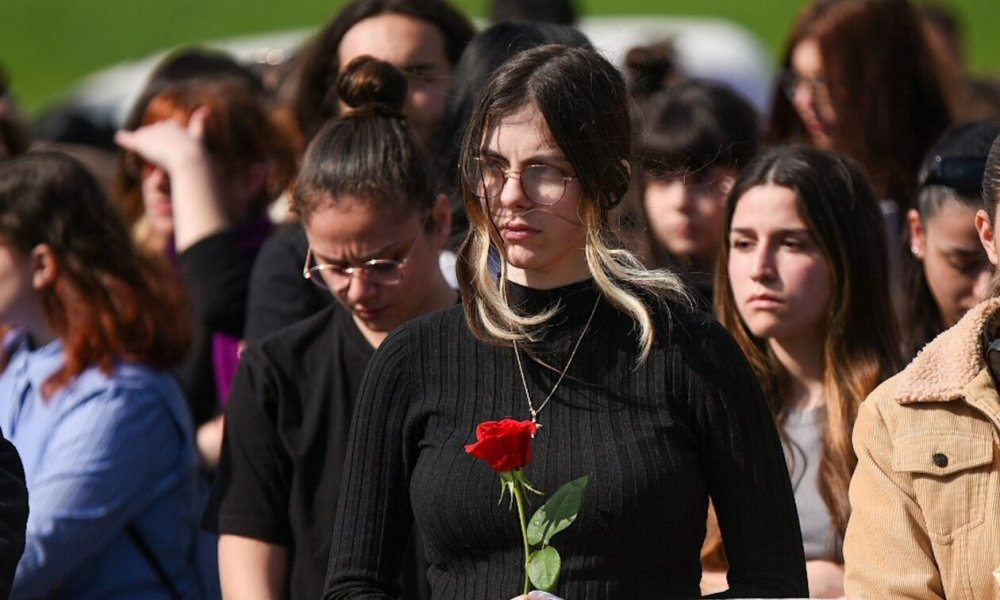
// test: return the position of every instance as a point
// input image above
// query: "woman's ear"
(44, 266)
(918, 235)
(628, 167)
(987, 236)
(441, 216)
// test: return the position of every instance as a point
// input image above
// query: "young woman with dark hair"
(561, 326)
(860, 79)
(925, 514)
(804, 287)
(947, 272)
(695, 137)
(374, 227)
(101, 426)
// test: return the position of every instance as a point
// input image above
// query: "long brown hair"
(884, 85)
(107, 302)
(860, 349)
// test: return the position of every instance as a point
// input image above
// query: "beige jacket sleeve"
(886, 550)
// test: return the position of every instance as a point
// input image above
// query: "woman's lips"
(764, 301)
(517, 231)
(368, 314)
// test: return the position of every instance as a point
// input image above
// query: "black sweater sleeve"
(217, 275)
(14, 511)
(745, 471)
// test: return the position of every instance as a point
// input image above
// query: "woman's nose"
(359, 287)
(512, 192)
(763, 264)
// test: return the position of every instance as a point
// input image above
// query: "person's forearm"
(197, 202)
(250, 569)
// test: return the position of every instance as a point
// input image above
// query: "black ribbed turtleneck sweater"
(657, 441)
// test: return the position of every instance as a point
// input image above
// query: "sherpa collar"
(949, 362)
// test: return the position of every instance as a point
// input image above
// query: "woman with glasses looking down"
(563, 330)
(375, 228)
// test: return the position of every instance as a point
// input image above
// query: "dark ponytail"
(369, 153)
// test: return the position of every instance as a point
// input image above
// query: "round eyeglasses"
(792, 81)
(380, 271)
(542, 184)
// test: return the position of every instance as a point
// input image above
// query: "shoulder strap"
(147, 553)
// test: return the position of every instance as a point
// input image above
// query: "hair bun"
(650, 69)
(367, 84)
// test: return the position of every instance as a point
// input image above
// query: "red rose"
(505, 445)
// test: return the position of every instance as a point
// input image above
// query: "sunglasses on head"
(964, 174)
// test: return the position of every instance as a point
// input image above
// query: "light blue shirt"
(101, 453)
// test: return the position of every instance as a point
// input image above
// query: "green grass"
(47, 45)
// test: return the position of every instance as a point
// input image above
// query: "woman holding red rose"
(621, 380)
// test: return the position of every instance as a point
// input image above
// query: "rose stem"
(519, 497)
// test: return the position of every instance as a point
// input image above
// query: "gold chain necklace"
(520, 367)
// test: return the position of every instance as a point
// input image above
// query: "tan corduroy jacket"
(925, 496)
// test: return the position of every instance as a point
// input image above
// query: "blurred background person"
(210, 162)
(694, 137)
(803, 286)
(652, 68)
(859, 78)
(422, 38)
(85, 395)
(946, 272)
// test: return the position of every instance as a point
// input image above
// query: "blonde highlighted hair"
(583, 100)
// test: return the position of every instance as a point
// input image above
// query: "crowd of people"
(249, 365)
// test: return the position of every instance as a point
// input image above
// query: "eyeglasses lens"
(542, 184)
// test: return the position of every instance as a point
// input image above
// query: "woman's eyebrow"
(537, 158)
(383, 252)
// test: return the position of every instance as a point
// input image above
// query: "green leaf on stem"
(543, 569)
(557, 513)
